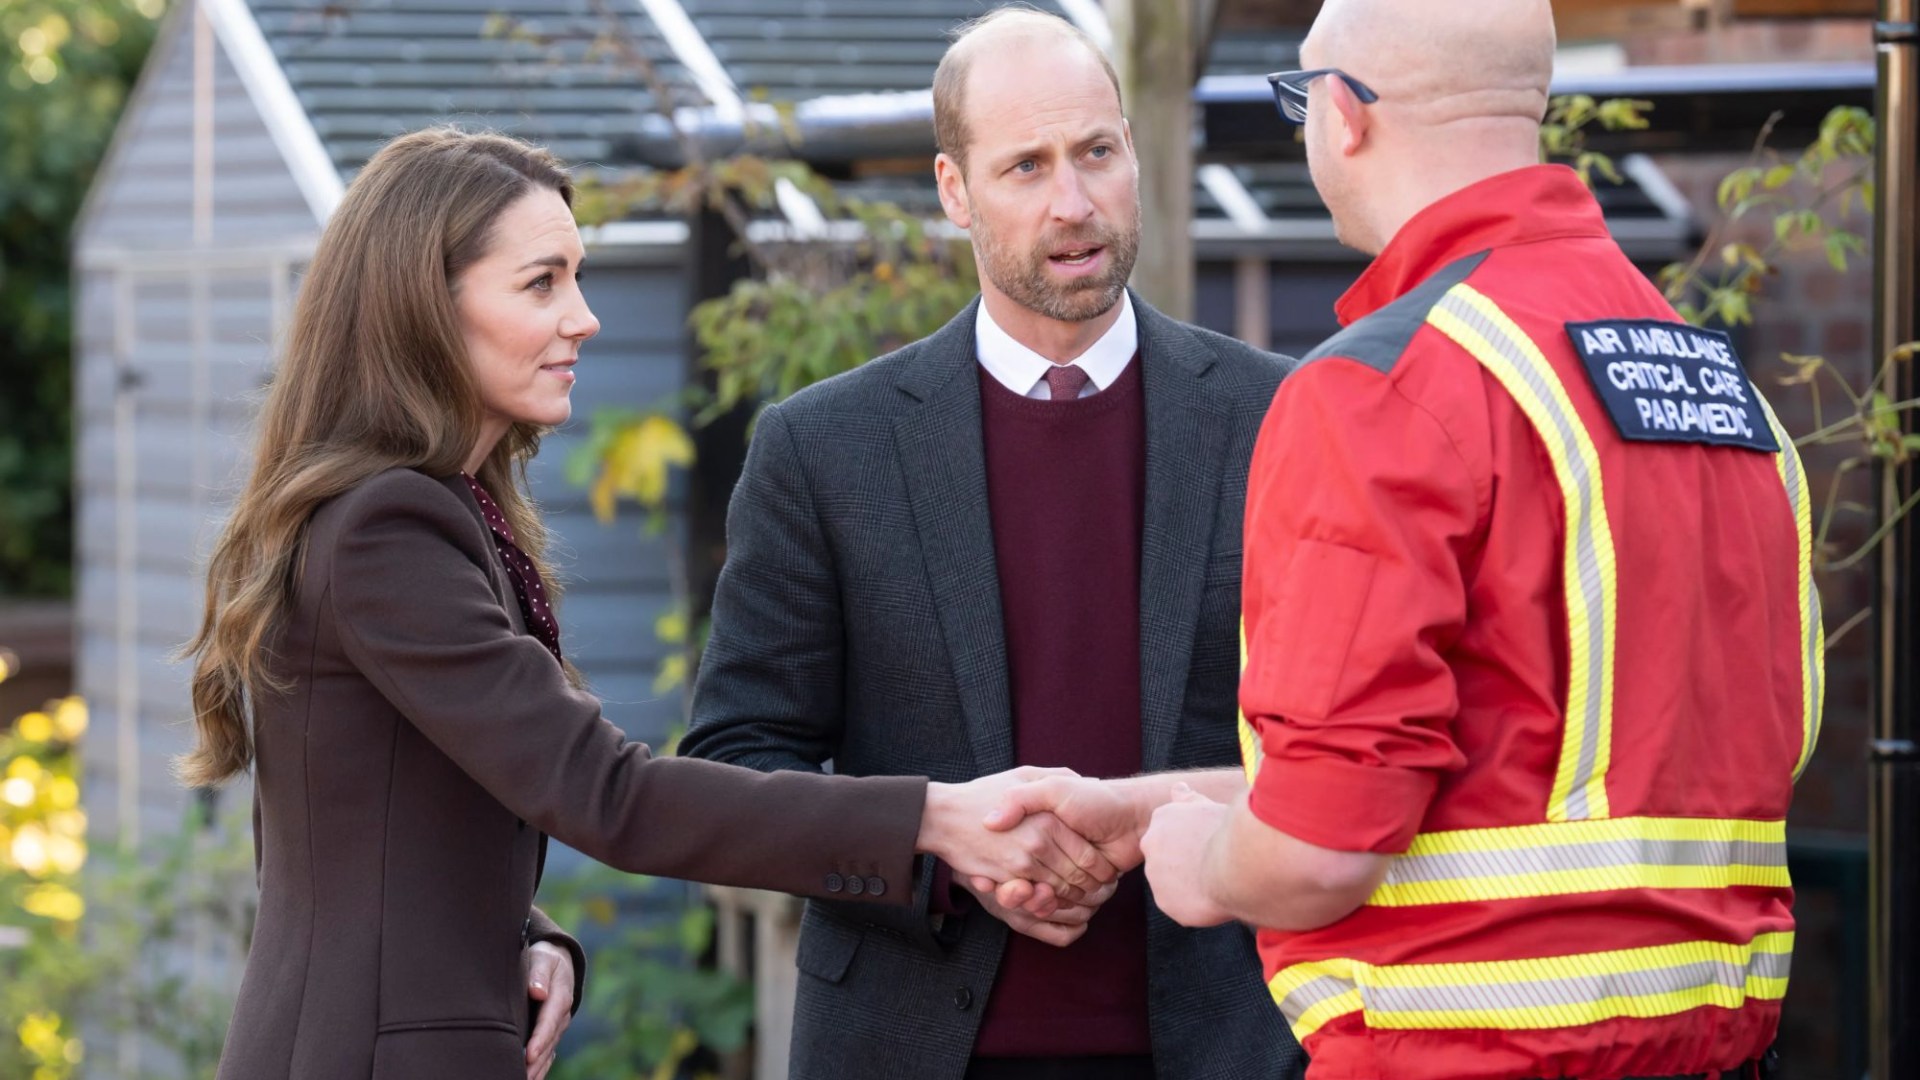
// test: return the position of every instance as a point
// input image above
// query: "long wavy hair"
(374, 376)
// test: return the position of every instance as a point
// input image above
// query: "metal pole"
(1893, 798)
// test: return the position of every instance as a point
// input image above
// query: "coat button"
(834, 883)
(963, 999)
(855, 886)
(876, 887)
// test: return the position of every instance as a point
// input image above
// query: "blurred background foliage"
(103, 948)
(66, 67)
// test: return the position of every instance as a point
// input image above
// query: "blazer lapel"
(1187, 442)
(943, 461)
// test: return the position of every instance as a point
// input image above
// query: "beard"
(1026, 276)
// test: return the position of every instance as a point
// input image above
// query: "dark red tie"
(1064, 382)
(527, 586)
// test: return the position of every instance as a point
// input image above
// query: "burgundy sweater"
(1066, 484)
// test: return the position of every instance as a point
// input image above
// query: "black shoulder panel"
(1379, 339)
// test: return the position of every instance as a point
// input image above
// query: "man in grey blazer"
(1016, 542)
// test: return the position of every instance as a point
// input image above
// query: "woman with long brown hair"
(380, 647)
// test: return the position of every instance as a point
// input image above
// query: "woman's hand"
(549, 982)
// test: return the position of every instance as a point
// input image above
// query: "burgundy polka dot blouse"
(534, 605)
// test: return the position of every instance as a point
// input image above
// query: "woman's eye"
(543, 282)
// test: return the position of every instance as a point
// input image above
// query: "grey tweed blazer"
(858, 621)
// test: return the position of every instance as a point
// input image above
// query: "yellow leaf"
(54, 901)
(640, 456)
(29, 850)
(602, 495)
(66, 854)
(24, 768)
(63, 793)
(40, 1035)
(68, 822)
(36, 727)
(673, 672)
(70, 718)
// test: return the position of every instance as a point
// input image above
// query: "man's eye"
(1102, 151)
(1026, 166)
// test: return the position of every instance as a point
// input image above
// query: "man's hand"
(1102, 812)
(1176, 846)
(1063, 927)
(549, 982)
(1039, 848)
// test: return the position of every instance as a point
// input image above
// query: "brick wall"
(1760, 41)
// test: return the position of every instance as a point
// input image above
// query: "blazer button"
(835, 883)
(855, 886)
(876, 887)
(963, 999)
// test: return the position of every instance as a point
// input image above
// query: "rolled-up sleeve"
(1358, 508)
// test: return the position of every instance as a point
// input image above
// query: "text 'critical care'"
(1669, 382)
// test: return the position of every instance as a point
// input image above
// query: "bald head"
(1012, 36)
(1442, 63)
(1462, 88)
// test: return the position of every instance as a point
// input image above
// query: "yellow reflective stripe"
(1538, 993)
(1480, 327)
(1311, 994)
(1250, 750)
(1604, 855)
(1813, 636)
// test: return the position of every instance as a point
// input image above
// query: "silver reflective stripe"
(1568, 431)
(1812, 635)
(1307, 995)
(1574, 990)
(1453, 866)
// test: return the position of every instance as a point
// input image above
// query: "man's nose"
(1070, 200)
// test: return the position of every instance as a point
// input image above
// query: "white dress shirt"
(1024, 371)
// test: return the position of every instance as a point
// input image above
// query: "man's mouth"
(1079, 256)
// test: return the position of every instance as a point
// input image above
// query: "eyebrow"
(558, 262)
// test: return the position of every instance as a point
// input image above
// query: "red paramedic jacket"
(1591, 888)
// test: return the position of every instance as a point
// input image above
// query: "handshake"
(1043, 849)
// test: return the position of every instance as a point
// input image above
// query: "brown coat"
(406, 779)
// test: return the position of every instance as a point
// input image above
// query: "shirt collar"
(1540, 202)
(1020, 369)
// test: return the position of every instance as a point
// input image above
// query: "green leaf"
(1779, 176)
(1737, 186)
(1837, 252)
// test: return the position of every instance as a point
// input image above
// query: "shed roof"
(366, 70)
(362, 71)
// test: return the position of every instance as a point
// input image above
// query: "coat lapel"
(1187, 441)
(943, 461)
